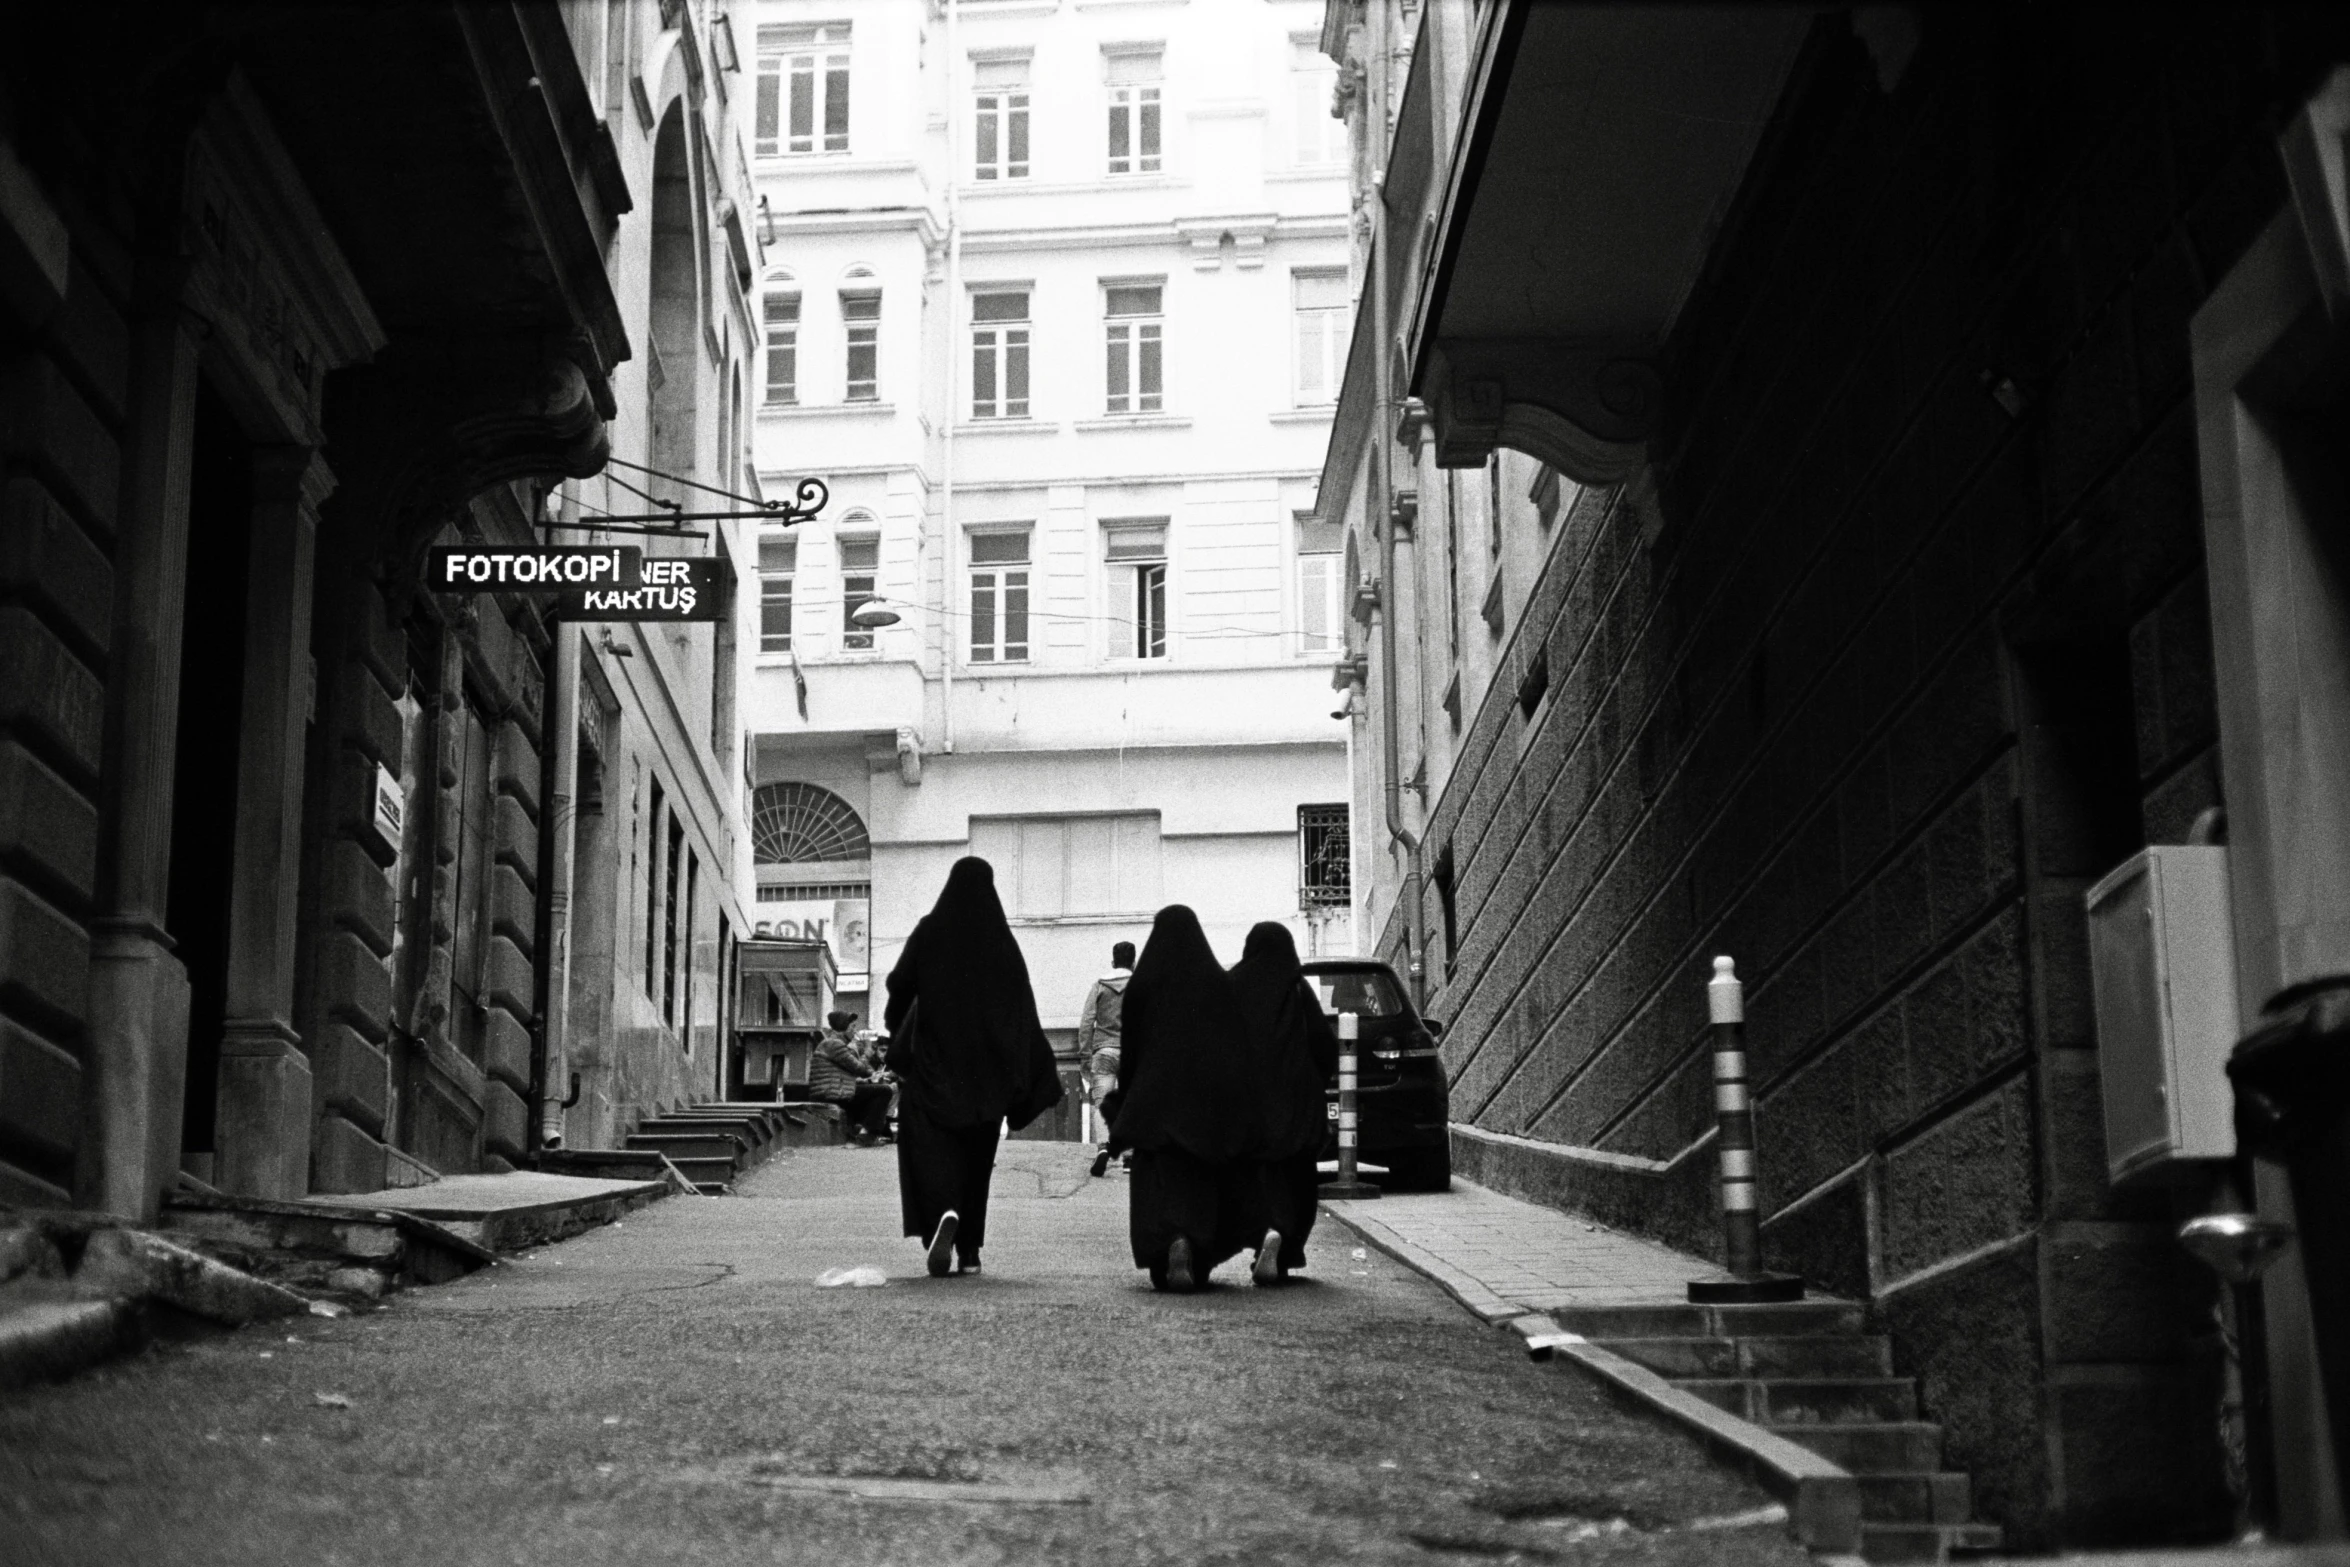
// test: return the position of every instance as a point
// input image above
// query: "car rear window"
(1364, 992)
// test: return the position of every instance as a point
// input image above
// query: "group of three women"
(1220, 1087)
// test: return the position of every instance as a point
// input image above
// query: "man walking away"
(837, 1074)
(1098, 1035)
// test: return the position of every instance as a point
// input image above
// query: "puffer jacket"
(834, 1071)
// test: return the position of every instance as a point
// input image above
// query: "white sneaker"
(941, 1255)
(1267, 1269)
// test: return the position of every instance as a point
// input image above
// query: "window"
(778, 560)
(861, 314)
(1055, 867)
(1319, 547)
(1320, 303)
(782, 310)
(793, 823)
(999, 356)
(1000, 131)
(803, 90)
(1136, 370)
(1321, 135)
(1325, 858)
(1137, 553)
(999, 598)
(859, 560)
(673, 870)
(1134, 111)
(653, 896)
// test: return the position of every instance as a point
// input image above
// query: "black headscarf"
(1183, 1075)
(977, 1053)
(1292, 1049)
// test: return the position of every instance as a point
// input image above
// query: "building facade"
(1834, 526)
(292, 296)
(1056, 303)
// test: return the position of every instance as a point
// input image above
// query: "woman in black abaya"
(969, 1055)
(1293, 1053)
(1184, 1105)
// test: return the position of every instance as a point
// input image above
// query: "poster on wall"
(837, 922)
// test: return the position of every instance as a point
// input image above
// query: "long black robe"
(969, 1054)
(1184, 1103)
(1293, 1053)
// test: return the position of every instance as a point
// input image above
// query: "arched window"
(860, 314)
(792, 823)
(780, 307)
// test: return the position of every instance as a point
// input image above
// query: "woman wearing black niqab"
(1293, 1053)
(1184, 1105)
(969, 1054)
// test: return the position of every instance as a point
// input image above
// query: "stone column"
(138, 996)
(264, 1105)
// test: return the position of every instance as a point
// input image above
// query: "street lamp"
(874, 612)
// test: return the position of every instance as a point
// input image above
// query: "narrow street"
(674, 1388)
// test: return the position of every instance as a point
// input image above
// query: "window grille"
(1325, 858)
(792, 823)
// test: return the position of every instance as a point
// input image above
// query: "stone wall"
(61, 403)
(1902, 642)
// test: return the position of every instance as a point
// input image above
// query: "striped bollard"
(1746, 1281)
(1350, 1185)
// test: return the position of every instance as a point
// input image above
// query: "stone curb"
(42, 1341)
(1822, 1499)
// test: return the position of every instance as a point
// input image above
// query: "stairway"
(1811, 1372)
(713, 1143)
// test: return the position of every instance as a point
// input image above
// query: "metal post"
(1747, 1281)
(1350, 1185)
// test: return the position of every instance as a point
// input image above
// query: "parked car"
(1403, 1102)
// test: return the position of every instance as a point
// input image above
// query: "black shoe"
(1101, 1162)
(1179, 1265)
(968, 1264)
(1267, 1269)
(941, 1253)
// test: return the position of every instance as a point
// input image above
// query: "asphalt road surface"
(676, 1389)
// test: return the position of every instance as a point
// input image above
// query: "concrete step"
(1846, 1355)
(751, 1131)
(1885, 1447)
(1786, 1320)
(1811, 1400)
(1632, 1322)
(1679, 1358)
(714, 1188)
(690, 1145)
(1925, 1542)
(1915, 1498)
(705, 1172)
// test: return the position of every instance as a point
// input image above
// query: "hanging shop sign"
(587, 581)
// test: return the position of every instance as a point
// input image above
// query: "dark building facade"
(288, 294)
(1847, 387)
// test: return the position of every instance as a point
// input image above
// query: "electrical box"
(2162, 952)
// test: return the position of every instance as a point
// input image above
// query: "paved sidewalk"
(1502, 1257)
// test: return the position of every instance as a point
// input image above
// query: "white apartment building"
(1056, 301)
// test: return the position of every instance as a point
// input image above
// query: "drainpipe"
(1383, 501)
(563, 819)
(946, 475)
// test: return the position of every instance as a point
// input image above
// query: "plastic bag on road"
(855, 1278)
